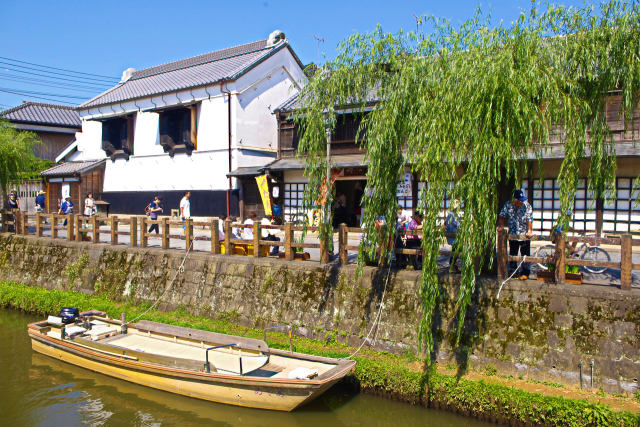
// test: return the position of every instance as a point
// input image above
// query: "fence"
(80, 228)
(560, 259)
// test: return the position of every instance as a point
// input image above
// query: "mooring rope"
(509, 278)
(179, 271)
(375, 322)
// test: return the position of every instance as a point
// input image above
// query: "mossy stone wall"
(536, 330)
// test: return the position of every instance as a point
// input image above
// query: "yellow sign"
(263, 187)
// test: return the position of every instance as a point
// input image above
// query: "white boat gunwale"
(339, 370)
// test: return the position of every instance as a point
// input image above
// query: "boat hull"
(240, 391)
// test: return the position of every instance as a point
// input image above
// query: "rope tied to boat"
(509, 278)
(179, 271)
(376, 320)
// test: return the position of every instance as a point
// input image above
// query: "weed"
(490, 370)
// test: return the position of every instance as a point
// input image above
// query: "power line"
(31, 92)
(42, 82)
(60, 69)
(99, 80)
(40, 97)
(105, 84)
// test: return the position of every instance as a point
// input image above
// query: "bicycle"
(584, 251)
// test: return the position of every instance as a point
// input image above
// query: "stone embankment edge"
(384, 374)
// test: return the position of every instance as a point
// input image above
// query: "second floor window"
(178, 130)
(117, 137)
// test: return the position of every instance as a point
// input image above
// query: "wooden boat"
(205, 365)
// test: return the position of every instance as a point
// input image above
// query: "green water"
(39, 391)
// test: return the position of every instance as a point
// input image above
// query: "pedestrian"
(266, 235)
(185, 207)
(247, 232)
(519, 216)
(14, 202)
(414, 242)
(40, 202)
(451, 225)
(155, 208)
(66, 208)
(89, 205)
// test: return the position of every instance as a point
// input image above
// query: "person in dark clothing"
(155, 208)
(40, 202)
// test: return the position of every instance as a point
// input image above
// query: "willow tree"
(17, 160)
(471, 104)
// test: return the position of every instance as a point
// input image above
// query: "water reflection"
(41, 391)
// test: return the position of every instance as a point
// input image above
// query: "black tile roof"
(197, 71)
(43, 114)
(71, 168)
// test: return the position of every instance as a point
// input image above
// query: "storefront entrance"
(348, 202)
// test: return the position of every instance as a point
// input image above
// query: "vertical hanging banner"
(263, 188)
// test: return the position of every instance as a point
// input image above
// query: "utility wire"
(105, 84)
(42, 82)
(31, 92)
(60, 69)
(100, 80)
(38, 97)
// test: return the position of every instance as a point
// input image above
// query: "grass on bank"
(389, 374)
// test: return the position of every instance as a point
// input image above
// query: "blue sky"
(107, 37)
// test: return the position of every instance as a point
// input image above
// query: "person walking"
(155, 208)
(518, 214)
(66, 208)
(89, 205)
(40, 202)
(185, 207)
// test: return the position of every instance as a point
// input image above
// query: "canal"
(40, 391)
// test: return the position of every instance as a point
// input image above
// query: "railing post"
(54, 226)
(114, 229)
(215, 238)
(501, 257)
(70, 220)
(133, 231)
(288, 241)
(342, 244)
(24, 223)
(560, 257)
(17, 222)
(5, 218)
(95, 225)
(625, 261)
(228, 250)
(144, 238)
(78, 218)
(165, 233)
(38, 224)
(256, 239)
(188, 233)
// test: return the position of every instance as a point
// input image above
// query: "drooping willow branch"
(472, 105)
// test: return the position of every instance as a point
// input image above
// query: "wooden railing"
(81, 228)
(560, 259)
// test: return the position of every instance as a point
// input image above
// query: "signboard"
(263, 188)
(404, 186)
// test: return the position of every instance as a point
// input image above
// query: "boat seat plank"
(198, 335)
(222, 359)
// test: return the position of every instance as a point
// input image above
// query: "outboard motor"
(69, 314)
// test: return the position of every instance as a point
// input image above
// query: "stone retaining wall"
(537, 330)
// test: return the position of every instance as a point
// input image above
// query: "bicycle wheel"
(593, 253)
(545, 251)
